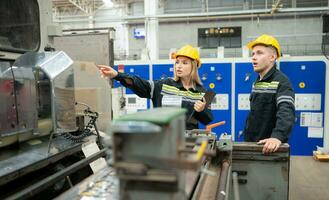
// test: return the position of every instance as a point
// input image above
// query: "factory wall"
(297, 35)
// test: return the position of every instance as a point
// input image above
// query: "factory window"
(313, 3)
(19, 25)
(228, 37)
(325, 38)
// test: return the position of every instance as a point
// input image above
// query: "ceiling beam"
(83, 5)
(275, 7)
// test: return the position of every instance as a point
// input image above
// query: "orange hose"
(211, 126)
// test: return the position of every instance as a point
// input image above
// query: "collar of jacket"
(269, 73)
(181, 87)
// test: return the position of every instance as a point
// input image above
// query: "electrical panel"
(308, 101)
(243, 102)
(244, 78)
(308, 81)
(220, 102)
(217, 76)
(161, 71)
(135, 103)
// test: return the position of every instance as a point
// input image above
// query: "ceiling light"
(108, 3)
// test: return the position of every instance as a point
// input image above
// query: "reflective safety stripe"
(285, 98)
(172, 90)
(264, 91)
(171, 101)
(266, 85)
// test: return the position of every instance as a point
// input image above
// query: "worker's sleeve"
(285, 116)
(205, 117)
(139, 86)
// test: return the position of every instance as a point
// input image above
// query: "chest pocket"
(171, 101)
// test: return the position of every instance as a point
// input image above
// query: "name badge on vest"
(171, 101)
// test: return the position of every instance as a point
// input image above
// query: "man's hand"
(199, 106)
(107, 71)
(270, 145)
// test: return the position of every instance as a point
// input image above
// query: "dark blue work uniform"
(272, 108)
(168, 92)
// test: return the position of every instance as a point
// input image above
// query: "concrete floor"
(309, 179)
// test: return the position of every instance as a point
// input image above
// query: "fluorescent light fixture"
(108, 3)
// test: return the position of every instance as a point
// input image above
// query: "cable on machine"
(87, 131)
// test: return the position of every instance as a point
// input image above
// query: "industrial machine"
(259, 176)
(167, 164)
(39, 123)
(44, 121)
(40, 127)
(152, 156)
(38, 93)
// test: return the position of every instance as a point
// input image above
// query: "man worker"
(272, 100)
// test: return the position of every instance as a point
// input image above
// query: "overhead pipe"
(197, 16)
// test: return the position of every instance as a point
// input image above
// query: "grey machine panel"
(92, 47)
(261, 176)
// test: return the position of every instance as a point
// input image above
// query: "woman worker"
(184, 90)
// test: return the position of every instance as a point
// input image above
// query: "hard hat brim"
(251, 45)
(198, 61)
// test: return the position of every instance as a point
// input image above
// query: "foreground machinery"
(41, 133)
(152, 156)
(44, 121)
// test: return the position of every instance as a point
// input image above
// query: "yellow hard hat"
(266, 40)
(189, 51)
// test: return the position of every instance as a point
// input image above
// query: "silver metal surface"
(8, 115)
(36, 88)
(56, 66)
(26, 100)
(18, 102)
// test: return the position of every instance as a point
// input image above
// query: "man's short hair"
(272, 48)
